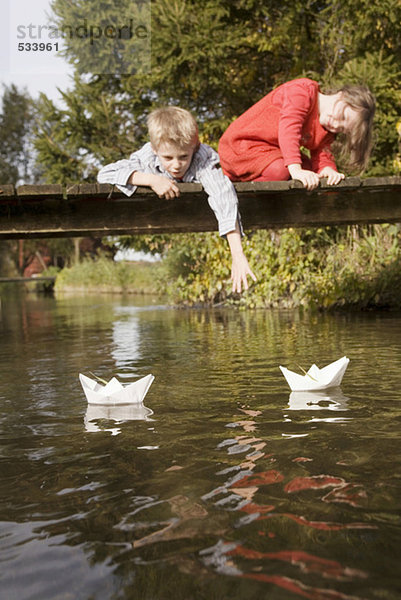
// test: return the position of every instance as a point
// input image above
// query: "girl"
(263, 144)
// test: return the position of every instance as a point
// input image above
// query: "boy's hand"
(333, 177)
(164, 187)
(240, 270)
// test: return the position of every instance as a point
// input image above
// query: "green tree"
(15, 163)
(17, 121)
(216, 58)
(15, 128)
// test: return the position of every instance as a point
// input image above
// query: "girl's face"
(341, 119)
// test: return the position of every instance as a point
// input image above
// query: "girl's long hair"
(359, 142)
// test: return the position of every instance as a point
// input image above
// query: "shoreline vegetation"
(102, 275)
(354, 267)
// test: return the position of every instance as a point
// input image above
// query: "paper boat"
(114, 392)
(317, 379)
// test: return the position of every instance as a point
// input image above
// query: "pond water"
(232, 488)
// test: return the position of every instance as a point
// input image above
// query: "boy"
(174, 154)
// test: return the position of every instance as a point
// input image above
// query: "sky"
(42, 70)
(31, 44)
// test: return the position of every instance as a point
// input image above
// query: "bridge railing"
(40, 211)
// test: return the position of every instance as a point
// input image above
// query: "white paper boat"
(317, 379)
(114, 392)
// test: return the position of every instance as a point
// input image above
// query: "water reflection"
(97, 417)
(126, 339)
(333, 399)
(330, 400)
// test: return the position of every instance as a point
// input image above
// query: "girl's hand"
(310, 179)
(240, 270)
(333, 177)
(164, 187)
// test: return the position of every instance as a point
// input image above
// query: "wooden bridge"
(41, 211)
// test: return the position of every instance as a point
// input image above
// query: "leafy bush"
(317, 268)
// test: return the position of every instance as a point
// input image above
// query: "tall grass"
(106, 276)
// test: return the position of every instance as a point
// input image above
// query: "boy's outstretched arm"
(223, 200)
(240, 268)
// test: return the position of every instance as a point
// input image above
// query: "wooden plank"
(37, 192)
(85, 190)
(26, 279)
(381, 182)
(6, 191)
(92, 209)
(327, 205)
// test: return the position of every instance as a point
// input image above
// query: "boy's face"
(175, 159)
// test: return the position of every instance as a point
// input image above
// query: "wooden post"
(21, 255)
(77, 256)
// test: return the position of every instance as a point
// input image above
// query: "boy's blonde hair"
(172, 125)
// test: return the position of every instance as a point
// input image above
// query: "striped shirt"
(204, 169)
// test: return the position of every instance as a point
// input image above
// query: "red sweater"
(276, 127)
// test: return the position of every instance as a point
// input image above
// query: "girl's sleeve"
(322, 157)
(119, 172)
(295, 107)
